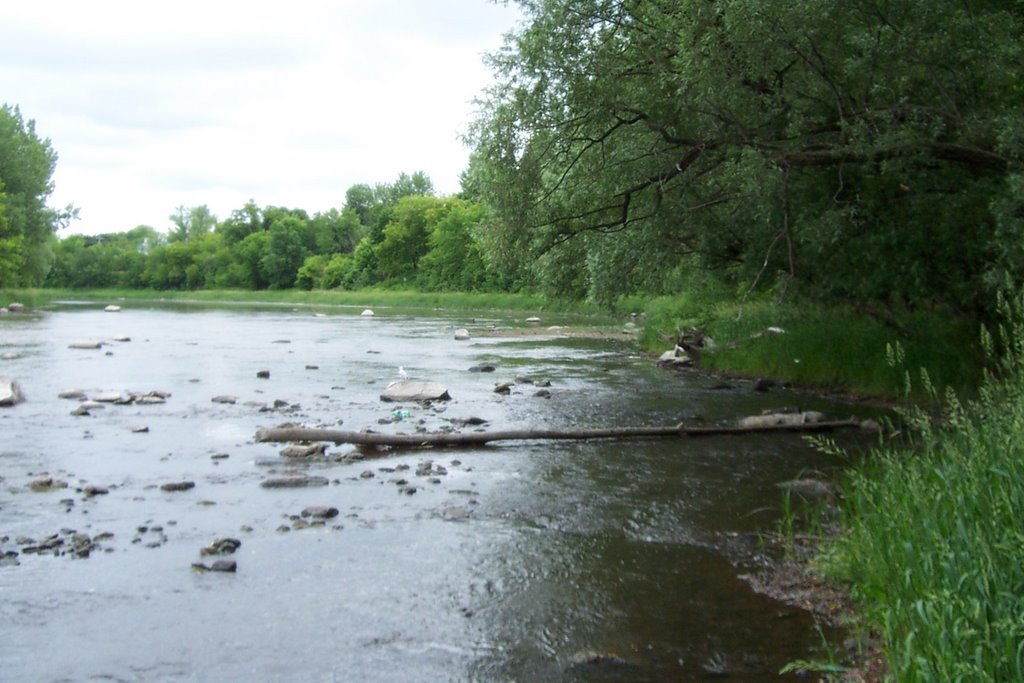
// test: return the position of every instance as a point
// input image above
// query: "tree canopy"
(866, 149)
(27, 224)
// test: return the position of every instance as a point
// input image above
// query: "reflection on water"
(601, 561)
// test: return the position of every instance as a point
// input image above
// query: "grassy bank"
(934, 548)
(834, 348)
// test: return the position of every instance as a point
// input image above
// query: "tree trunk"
(287, 434)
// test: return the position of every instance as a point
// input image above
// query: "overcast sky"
(151, 106)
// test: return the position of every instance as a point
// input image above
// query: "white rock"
(15, 307)
(10, 392)
(461, 334)
(112, 308)
(533, 320)
(367, 313)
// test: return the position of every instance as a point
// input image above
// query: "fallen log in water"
(288, 434)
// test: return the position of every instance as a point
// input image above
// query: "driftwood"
(289, 434)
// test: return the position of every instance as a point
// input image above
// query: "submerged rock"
(297, 481)
(225, 398)
(315, 450)
(227, 566)
(178, 486)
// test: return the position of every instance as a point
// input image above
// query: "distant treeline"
(394, 233)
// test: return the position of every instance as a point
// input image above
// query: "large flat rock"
(415, 390)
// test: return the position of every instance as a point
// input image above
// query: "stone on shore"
(15, 307)
(414, 390)
(461, 334)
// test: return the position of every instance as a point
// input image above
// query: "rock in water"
(461, 334)
(10, 392)
(113, 308)
(86, 344)
(320, 512)
(178, 486)
(293, 482)
(415, 390)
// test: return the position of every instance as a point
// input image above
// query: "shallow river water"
(525, 561)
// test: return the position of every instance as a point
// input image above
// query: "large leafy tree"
(27, 224)
(860, 149)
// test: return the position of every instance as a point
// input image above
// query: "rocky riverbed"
(143, 528)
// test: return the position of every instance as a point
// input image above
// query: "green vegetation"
(933, 546)
(27, 225)
(861, 150)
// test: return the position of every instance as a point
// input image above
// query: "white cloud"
(154, 106)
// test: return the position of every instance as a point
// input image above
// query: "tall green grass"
(934, 548)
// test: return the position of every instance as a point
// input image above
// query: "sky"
(152, 106)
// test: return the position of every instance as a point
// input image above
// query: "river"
(525, 561)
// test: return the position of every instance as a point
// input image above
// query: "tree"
(27, 224)
(190, 224)
(285, 252)
(454, 260)
(785, 143)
